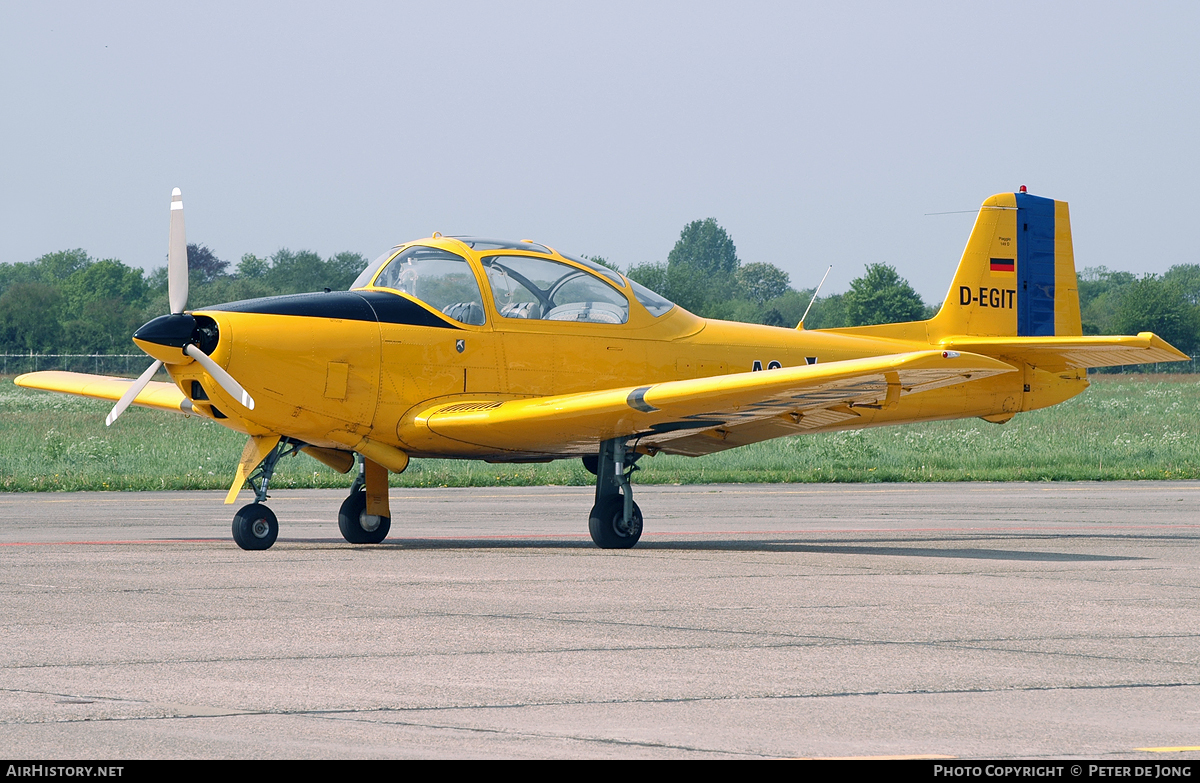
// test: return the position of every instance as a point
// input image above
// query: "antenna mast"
(814, 299)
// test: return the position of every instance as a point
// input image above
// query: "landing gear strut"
(255, 526)
(615, 522)
(357, 526)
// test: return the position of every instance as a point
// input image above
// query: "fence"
(99, 363)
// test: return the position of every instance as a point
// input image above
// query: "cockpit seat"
(465, 312)
(522, 310)
(591, 312)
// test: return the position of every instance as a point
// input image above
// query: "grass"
(1123, 427)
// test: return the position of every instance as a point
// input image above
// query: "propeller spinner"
(178, 328)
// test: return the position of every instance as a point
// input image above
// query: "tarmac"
(999, 621)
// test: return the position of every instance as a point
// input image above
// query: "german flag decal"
(1004, 265)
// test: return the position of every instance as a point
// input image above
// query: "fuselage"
(332, 368)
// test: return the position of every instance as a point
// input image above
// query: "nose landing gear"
(254, 526)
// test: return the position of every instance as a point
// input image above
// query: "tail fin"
(1015, 296)
(1017, 274)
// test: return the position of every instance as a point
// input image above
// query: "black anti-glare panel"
(347, 305)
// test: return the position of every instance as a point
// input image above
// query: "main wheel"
(607, 524)
(255, 527)
(359, 527)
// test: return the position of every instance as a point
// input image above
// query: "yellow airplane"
(473, 348)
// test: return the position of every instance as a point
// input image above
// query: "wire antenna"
(814, 299)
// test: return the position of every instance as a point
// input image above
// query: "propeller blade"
(134, 390)
(231, 387)
(177, 260)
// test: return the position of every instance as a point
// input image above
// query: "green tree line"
(68, 302)
(1123, 303)
(704, 274)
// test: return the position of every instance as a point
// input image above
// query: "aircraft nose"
(173, 330)
(168, 337)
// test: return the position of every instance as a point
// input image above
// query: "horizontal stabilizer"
(157, 394)
(1072, 351)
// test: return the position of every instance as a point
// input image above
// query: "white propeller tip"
(176, 192)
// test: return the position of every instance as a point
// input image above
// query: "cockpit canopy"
(531, 284)
(439, 278)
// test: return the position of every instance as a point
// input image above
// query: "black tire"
(607, 524)
(255, 527)
(353, 516)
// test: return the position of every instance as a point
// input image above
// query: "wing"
(1074, 352)
(157, 394)
(659, 413)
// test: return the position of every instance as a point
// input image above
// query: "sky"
(814, 133)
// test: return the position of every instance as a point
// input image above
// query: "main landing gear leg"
(615, 521)
(365, 517)
(255, 526)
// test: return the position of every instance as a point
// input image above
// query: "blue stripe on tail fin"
(1035, 266)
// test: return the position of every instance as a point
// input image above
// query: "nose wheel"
(255, 527)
